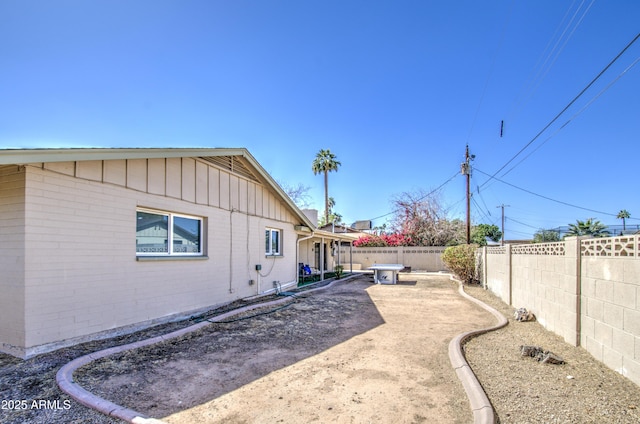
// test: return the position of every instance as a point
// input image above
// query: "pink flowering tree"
(419, 220)
(383, 240)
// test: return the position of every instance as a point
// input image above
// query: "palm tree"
(624, 214)
(332, 203)
(590, 227)
(325, 162)
(334, 217)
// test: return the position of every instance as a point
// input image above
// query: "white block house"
(97, 242)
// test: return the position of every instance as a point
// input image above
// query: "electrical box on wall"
(258, 267)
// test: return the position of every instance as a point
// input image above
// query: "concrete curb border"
(481, 407)
(483, 412)
(64, 376)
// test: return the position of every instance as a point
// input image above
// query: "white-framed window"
(273, 242)
(160, 233)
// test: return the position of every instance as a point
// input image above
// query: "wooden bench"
(307, 277)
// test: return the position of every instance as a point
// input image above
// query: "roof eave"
(25, 156)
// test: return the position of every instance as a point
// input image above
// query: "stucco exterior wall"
(81, 273)
(12, 257)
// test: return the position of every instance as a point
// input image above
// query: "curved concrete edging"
(64, 377)
(483, 412)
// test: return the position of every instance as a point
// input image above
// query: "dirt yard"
(354, 353)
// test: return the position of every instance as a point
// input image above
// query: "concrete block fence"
(586, 290)
(427, 258)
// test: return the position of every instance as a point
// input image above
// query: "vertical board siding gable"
(115, 172)
(259, 200)
(251, 198)
(243, 194)
(174, 178)
(202, 183)
(189, 180)
(224, 190)
(67, 168)
(137, 174)
(214, 187)
(89, 170)
(156, 176)
(234, 192)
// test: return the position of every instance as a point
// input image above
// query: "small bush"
(461, 260)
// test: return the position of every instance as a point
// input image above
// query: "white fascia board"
(26, 156)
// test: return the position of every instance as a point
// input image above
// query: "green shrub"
(461, 260)
(339, 269)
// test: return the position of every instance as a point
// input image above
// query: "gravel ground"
(522, 390)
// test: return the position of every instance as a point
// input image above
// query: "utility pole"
(465, 169)
(502, 206)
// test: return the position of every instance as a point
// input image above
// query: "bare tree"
(298, 193)
(423, 222)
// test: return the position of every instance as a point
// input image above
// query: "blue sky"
(395, 89)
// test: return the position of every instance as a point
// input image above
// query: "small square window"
(273, 242)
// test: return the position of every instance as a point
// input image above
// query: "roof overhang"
(26, 156)
(336, 236)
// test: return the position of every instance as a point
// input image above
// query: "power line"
(447, 210)
(545, 197)
(635, 62)
(518, 232)
(543, 59)
(422, 198)
(522, 223)
(483, 215)
(483, 202)
(566, 40)
(565, 108)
